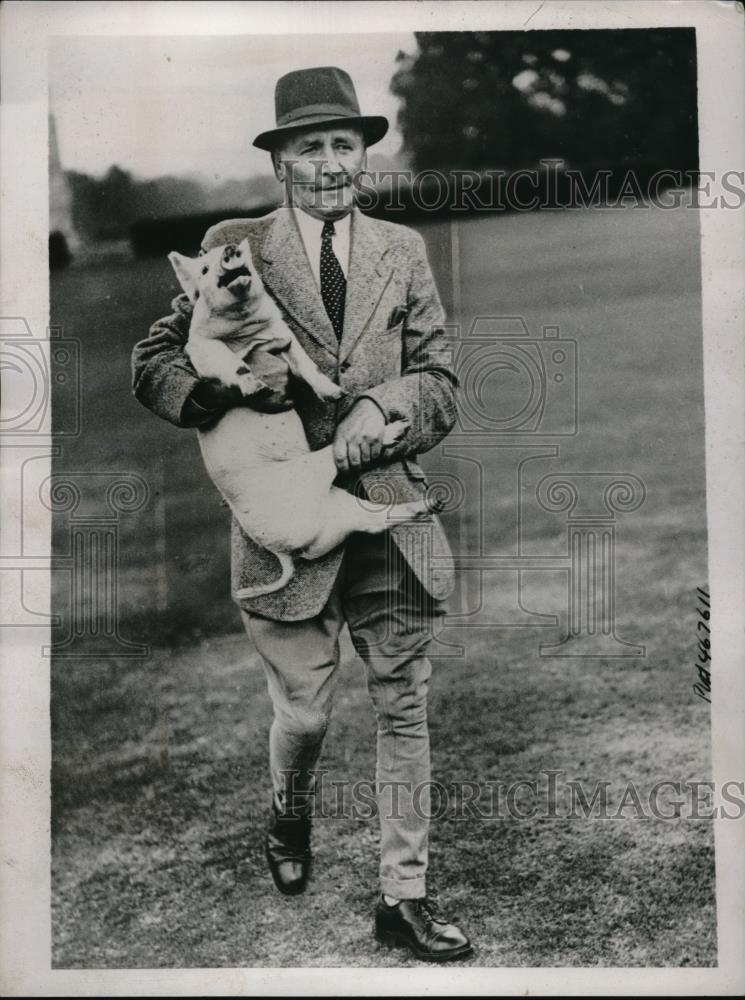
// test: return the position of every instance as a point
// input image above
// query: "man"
(360, 297)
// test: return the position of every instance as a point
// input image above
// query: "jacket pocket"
(397, 317)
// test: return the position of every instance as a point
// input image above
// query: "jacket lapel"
(288, 275)
(367, 280)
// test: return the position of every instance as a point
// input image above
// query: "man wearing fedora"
(359, 295)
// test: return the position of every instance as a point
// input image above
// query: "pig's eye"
(205, 270)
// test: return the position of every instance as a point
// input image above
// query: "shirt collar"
(310, 227)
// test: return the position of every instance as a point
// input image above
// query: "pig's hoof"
(250, 385)
(330, 391)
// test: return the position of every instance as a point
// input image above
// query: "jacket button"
(344, 367)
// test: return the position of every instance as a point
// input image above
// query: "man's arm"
(423, 395)
(163, 378)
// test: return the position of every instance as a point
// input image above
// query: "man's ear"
(183, 268)
(279, 167)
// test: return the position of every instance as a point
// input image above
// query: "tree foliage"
(105, 207)
(479, 100)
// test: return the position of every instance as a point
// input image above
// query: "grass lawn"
(159, 764)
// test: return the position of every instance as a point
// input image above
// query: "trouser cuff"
(408, 888)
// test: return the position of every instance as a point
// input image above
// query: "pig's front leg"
(303, 368)
(214, 359)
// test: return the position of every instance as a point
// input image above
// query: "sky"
(193, 105)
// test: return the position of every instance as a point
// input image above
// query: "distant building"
(63, 239)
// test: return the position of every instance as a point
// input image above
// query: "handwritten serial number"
(702, 687)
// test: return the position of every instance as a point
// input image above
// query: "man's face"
(318, 168)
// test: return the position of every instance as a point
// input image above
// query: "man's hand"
(359, 437)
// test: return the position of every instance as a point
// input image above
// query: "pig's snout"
(232, 268)
(231, 255)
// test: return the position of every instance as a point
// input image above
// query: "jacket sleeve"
(163, 377)
(424, 394)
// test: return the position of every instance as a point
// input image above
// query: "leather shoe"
(288, 850)
(416, 925)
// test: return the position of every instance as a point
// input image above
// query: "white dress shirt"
(310, 231)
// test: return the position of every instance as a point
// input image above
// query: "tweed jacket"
(391, 351)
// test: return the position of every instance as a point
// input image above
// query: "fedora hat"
(309, 98)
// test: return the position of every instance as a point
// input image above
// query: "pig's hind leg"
(328, 515)
(344, 514)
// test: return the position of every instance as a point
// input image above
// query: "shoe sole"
(393, 940)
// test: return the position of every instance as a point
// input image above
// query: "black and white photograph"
(373, 494)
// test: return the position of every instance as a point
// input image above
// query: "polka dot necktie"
(333, 282)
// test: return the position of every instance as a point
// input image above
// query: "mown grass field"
(159, 764)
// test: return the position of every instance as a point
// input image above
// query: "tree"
(103, 207)
(478, 100)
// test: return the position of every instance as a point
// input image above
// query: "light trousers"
(391, 619)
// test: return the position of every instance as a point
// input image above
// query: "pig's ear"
(183, 268)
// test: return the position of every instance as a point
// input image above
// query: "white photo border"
(25, 752)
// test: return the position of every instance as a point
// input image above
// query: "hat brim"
(373, 127)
